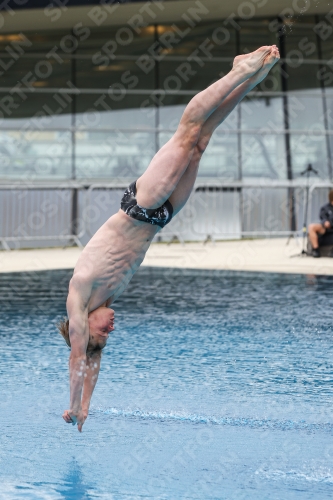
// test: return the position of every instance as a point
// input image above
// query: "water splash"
(320, 475)
(282, 425)
(28, 491)
(292, 19)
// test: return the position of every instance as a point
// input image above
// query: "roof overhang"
(64, 14)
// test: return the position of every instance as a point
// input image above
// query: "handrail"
(215, 182)
(151, 130)
(120, 183)
(82, 90)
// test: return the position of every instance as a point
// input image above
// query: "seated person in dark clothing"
(320, 228)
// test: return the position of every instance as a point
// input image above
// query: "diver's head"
(101, 323)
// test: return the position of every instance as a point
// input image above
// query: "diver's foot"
(270, 60)
(249, 64)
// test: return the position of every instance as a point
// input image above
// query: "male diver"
(115, 252)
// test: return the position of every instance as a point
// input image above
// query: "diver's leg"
(185, 185)
(158, 182)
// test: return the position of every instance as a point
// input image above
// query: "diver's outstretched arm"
(93, 366)
(79, 338)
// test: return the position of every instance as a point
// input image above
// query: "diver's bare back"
(110, 259)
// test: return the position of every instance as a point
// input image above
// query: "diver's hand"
(75, 417)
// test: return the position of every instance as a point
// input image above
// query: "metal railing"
(228, 210)
(40, 215)
(52, 215)
(318, 196)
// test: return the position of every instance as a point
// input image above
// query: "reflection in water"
(74, 486)
(311, 280)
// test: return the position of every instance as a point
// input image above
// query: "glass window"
(170, 115)
(255, 34)
(263, 155)
(304, 76)
(35, 110)
(114, 111)
(308, 148)
(325, 37)
(301, 44)
(112, 155)
(124, 151)
(119, 74)
(330, 159)
(35, 155)
(35, 140)
(310, 20)
(112, 58)
(115, 132)
(327, 48)
(306, 112)
(325, 74)
(301, 48)
(329, 109)
(116, 41)
(175, 75)
(221, 158)
(262, 113)
(34, 41)
(35, 72)
(206, 40)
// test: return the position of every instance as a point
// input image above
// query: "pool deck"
(261, 255)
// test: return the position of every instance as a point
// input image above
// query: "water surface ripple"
(213, 386)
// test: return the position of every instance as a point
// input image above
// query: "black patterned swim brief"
(160, 216)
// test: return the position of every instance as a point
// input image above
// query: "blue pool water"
(213, 386)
